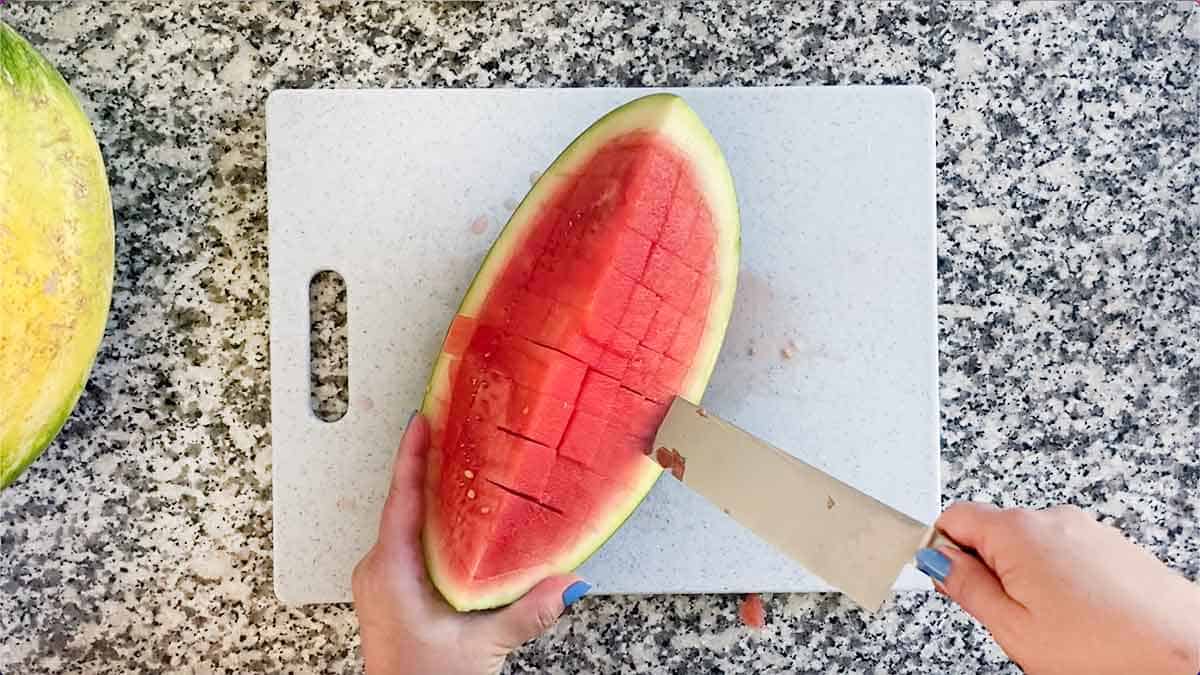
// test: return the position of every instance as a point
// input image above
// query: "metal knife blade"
(853, 541)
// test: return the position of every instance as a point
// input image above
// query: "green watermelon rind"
(665, 114)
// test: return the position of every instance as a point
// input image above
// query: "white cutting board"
(390, 188)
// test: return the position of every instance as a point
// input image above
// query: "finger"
(973, 525)
(969, 523)
(536, 612)
(978, 590)
(401, 518)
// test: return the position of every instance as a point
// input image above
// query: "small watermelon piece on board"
(607, 293)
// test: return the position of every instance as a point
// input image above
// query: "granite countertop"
(1068, 216)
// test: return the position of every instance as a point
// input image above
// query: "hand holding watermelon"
(406, 626)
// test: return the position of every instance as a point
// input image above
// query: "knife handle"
(937, 539)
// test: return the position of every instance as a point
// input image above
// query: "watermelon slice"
(607, 293)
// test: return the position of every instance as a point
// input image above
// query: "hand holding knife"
(848, 538)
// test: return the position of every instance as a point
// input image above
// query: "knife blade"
(853, 541)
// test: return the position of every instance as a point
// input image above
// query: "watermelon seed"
(470, 494)
(525, 410)
(469, 473)
(485, 509)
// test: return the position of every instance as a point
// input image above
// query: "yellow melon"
(56, 252)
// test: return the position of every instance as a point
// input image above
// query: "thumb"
(969, 580)
(973, 586)
(537, 611)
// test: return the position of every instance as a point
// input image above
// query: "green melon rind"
(664, 114)
(23, 69)
(47, 433)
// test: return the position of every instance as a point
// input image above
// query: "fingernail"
(574, 592)
(933, 563)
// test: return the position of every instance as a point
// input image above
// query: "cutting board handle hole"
(329, 346)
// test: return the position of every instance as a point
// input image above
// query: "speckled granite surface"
(1068, 150)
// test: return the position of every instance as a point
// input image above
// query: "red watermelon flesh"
(555, 377)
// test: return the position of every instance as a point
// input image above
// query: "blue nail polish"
(933, 563)
(574, 592)
(411, 416)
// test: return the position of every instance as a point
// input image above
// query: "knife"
(853, 541)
